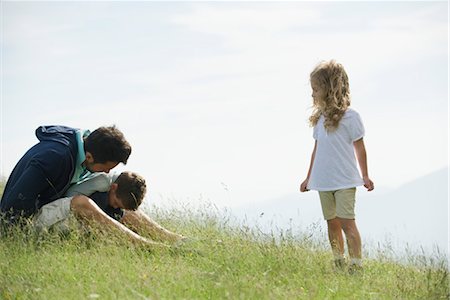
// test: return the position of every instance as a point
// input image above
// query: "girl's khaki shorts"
(340, 203)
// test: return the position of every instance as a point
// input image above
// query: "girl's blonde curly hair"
(331, 77)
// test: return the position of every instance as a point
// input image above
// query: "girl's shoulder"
(350, 113)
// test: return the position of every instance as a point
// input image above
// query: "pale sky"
(214, 96)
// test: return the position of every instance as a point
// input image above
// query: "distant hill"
(415, 214)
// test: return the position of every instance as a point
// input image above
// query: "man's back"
(43, 174)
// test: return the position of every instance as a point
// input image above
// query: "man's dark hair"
(131, 189)
(107, 144)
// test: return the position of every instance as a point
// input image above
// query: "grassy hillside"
(228, 263)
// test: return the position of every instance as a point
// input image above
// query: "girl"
(338, 133)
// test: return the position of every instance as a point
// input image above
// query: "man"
(62, 157)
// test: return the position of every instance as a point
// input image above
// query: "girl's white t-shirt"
(334, 167)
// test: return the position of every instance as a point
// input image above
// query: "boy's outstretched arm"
(86, 209)
(304, 184)
(144, 225)
(361, 155)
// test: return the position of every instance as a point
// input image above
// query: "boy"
(110, 200)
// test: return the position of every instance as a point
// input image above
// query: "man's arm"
(361, 155)
(86, 209)
(144, 225)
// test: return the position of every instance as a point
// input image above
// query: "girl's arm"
(304, 185)
(361, 155)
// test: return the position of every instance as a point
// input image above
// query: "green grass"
(230, 262)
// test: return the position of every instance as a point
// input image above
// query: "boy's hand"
(368, 183)
(303, 186)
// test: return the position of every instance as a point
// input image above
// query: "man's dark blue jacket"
(43, 174)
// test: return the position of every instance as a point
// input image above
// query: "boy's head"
(105, 148)
(127, 191)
